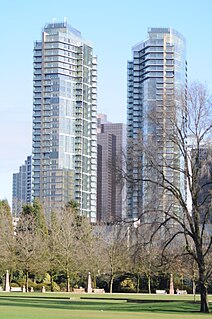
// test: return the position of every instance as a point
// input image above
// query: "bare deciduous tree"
(7, 251)
(145, 255)
(187, 129)
(31, 247)
(68, 234)
(116, 250)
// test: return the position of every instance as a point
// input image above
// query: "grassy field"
(107, 306)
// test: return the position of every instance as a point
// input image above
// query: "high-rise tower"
(64, 120)
(111, 190)
(22, 188)
(157, 82)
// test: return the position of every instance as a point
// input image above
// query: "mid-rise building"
(21, 191)
(64, 120)
(157, 82)
(111, 187)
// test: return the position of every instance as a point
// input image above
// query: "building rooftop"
(152, 35)
(61, 26)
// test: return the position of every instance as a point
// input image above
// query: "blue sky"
(113, 26)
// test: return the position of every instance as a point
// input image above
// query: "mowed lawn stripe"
(49, 306)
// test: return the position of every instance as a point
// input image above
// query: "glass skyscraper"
(22, 187)
(157, 83)
(64, 120)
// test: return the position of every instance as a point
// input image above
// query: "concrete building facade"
(111, 188)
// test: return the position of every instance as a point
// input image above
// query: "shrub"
(127, 285)
(56, 287)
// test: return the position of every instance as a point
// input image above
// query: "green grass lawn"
(107, 306)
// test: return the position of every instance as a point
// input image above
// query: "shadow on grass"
(107, 305)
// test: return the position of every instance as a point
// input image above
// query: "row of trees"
(70, 246)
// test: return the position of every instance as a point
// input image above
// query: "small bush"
(127, 285)
(56, 287)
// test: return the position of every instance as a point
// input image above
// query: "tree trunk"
(51, 282)
(138, 283)
(67, 281)
(204, 305)
(27, 281)
(194, 289)
(149, 284)
(111, 283)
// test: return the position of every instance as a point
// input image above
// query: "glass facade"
(64, 119)
(21, 192)
(157, 82)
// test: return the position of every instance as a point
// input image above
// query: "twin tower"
(64, 153)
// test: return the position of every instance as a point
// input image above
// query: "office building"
(21, 191)
(64, 120)
(111, 188)
(157, 82)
